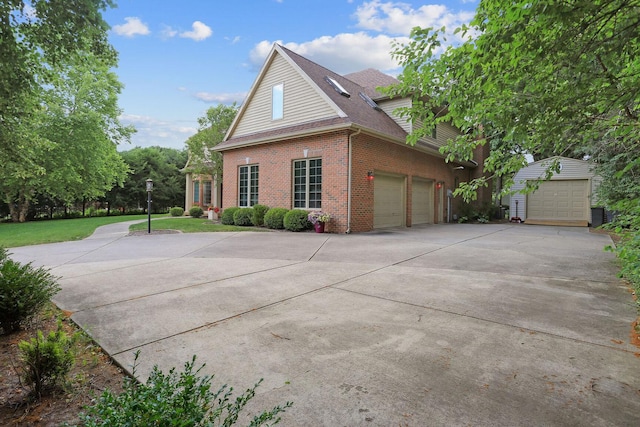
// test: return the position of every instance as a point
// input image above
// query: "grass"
(13, 235)
(60, 230)
(191, 225)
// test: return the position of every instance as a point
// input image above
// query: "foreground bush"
(274, 218)
(195, 212)
(258, 214)
(176, 211)
(243, 217)
(296, 220)
(174, 399)
(47, 361)
(24, 291)
(227, 215)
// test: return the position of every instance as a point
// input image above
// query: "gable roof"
(351, 112)
(371, 79)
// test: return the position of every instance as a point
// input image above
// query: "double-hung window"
(307, 184)
(248, 186)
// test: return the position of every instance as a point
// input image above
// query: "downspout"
(356, 133)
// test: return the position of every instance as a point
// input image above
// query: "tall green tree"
(36, 36)
(160, 164)
(212, 127)
(58, 103)
(539, 77)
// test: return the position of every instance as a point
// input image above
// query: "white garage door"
(388, 201)
(559, 201)
(421, 202)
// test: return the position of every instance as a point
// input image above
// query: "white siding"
(302, 103)
(572, 169)
(444, 131)
(389, 105)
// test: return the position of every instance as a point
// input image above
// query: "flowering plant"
(318, 216)
(216, 209)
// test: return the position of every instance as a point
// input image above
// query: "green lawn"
(191, 225)
(60, 230)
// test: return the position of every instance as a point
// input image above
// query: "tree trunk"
(18, 207)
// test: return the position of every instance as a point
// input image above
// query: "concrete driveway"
(501, 325)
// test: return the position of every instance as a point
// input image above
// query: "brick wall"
(368, 154)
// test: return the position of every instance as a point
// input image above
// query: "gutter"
(356, 133)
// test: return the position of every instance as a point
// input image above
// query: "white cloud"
(199, 32)
(133, 27)
(155, 132)
(400, 18)
(221, 98)
(233, 40)
(343, 53)
(168, 32)
(349, 52)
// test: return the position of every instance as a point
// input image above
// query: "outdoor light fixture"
(439, 185)
(370, 175)
(149, 190)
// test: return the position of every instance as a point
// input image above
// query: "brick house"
(309, 138)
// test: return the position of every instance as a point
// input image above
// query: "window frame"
(252, 184)
(310, 188)
(277, 102)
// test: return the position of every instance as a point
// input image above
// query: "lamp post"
(149, 190)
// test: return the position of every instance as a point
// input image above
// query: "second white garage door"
(388, 201)
(421, 202)
(559, 201)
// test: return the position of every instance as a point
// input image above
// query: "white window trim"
(249, 194)
(307, 185)
(280, 106)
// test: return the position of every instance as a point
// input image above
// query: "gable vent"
(337, 86)
(369, 101)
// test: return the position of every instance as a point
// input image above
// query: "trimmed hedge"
(258, 214)
(242, 217)
(227, 215)
(296, 220)
(274, 218)
(176, 211)
(196, 212)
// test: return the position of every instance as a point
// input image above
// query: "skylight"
(337, 86)
(369, 101)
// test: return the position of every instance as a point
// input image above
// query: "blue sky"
(178, 58)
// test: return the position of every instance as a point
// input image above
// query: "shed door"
(421, 202)
(559, 201)
(388, 201)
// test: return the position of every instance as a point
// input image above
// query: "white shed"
(566, 199)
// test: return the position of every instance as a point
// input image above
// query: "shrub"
(174, 399)
(242, 217)
(47, 361)
(195, 212)
(296, 220)
(258, 214)
(227, 215)
(24, 291)
(176, 211)
(274, 218)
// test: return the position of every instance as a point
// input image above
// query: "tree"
(58, 106)
(34, 37)
(555, 77)
(76, 131)
(213, 127)
(160, 164)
